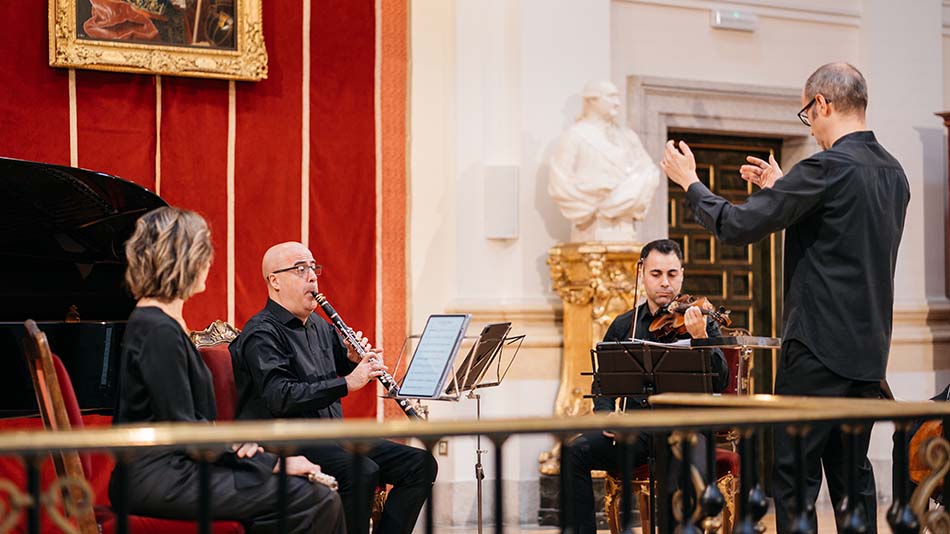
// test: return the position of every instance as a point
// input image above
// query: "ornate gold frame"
(248, 62)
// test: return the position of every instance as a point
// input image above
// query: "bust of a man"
(601, 177)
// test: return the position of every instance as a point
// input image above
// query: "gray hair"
(842, 84)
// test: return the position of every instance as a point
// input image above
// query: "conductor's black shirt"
(843, 211)
(619, 330)
(284, 368)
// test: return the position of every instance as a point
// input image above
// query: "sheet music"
(679, 343)
(433, 355)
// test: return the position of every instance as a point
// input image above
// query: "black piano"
(62, 264)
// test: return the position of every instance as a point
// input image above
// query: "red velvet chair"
(60, 411)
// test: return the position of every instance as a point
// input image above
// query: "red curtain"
(116, 133)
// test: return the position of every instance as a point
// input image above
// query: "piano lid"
(62, 237)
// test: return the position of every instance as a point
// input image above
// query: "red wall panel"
(116, 134)
(194, 164)
(343, 167)
(34, 109)
(267, 156)
(116, 122)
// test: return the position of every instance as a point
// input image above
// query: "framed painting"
(202, 38)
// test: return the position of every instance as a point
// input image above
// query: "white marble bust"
(601, 177)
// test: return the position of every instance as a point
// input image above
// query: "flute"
(385, 379)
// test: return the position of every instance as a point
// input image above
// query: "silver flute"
(350, 336)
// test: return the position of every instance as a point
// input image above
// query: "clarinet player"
(289, 363)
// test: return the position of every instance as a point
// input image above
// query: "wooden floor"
(826, 524)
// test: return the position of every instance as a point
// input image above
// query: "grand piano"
(62, 264)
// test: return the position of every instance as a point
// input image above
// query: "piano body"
(62, 264)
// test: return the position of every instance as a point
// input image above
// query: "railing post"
(855, 520)
(33, 487)
(712, 500)
(121, 503)
(804, 521)
(625, 450)
(752, 503)
(900, 516)
(360, 511)
(567, 487)
(430, 444)
(204, 495)
(499, 442)
(686, 492)
(282, 488)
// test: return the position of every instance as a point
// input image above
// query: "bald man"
(289, 363)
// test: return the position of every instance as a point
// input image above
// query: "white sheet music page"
(433, 356)
(679, 343)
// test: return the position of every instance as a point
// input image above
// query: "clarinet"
(385, 379)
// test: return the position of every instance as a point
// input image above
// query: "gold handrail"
(726, 412)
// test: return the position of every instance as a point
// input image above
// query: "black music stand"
(485, 365)
(636, 370)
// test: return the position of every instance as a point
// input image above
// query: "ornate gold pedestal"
(595, 282)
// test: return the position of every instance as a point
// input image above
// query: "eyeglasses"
(301, 268)
(803, 114)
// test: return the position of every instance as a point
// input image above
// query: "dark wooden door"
(744, 279)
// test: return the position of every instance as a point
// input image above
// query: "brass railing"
(749, 415)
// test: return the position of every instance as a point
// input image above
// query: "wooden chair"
(60, 411)
(727, 461)
(49, 398)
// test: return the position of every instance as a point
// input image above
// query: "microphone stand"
(636, 297)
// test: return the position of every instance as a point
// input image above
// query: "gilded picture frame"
(198, 38)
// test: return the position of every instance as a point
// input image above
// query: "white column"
(901, 58)
(502, 83)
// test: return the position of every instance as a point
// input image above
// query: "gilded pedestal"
(595, 282)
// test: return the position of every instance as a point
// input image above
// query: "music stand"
(487, 353)
(637, 370)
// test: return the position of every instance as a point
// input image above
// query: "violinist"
(662, 280)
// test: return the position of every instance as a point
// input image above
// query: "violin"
(670, 321)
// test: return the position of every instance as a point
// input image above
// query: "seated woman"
(163, 378)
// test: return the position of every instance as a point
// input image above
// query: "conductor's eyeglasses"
(301, 267)
(803, 114)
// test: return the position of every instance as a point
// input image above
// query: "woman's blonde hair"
(167, 252)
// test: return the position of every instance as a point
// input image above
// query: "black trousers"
(411, 471)
(801, 373)
(166, 486)
(594, 450)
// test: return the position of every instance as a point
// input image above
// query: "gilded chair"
(727, 460)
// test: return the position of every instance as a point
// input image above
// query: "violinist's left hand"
(695, 322)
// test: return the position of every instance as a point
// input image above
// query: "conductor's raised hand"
(370, 367)
(695, 322)
(679, 166)
(760, 172)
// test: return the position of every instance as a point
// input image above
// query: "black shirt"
(843, 210)
(285, 368)
(619, 330)
(162, 377)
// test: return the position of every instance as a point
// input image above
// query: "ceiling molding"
(779, 9)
